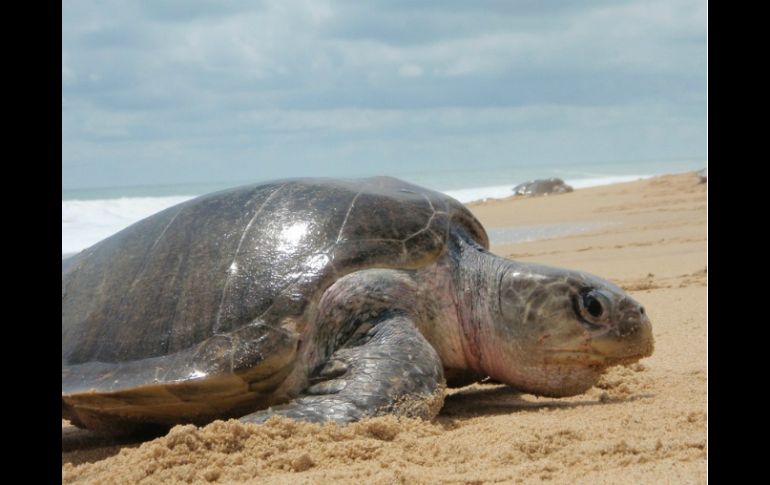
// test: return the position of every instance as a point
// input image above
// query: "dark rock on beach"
(542, 187)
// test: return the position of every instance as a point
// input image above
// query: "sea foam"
(86, 222)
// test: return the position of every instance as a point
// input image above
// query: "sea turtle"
(542, 187)
(322, 299)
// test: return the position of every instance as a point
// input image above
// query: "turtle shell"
(190, 282)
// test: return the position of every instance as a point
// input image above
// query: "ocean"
(92, 214)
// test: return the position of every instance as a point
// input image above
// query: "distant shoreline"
(86, 222)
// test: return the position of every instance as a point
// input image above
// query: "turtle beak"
(629, 340)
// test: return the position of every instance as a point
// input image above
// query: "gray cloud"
(185, 91)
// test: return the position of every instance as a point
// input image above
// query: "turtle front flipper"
(389, 369)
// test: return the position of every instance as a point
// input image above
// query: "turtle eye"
(593, 306)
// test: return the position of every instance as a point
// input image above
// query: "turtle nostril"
(641, 310)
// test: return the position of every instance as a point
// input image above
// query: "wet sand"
(642, 423)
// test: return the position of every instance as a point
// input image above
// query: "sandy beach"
(642, 423)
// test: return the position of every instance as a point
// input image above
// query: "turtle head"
(553, 332)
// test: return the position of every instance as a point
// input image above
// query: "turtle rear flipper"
(391, 369)
(224, 376)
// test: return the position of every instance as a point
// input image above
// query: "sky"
(190, 91)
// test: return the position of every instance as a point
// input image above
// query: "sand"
(642, 423)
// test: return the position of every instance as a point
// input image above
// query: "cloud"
(148, 85)
(410, 70)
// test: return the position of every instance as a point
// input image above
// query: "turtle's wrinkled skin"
(322, 299)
